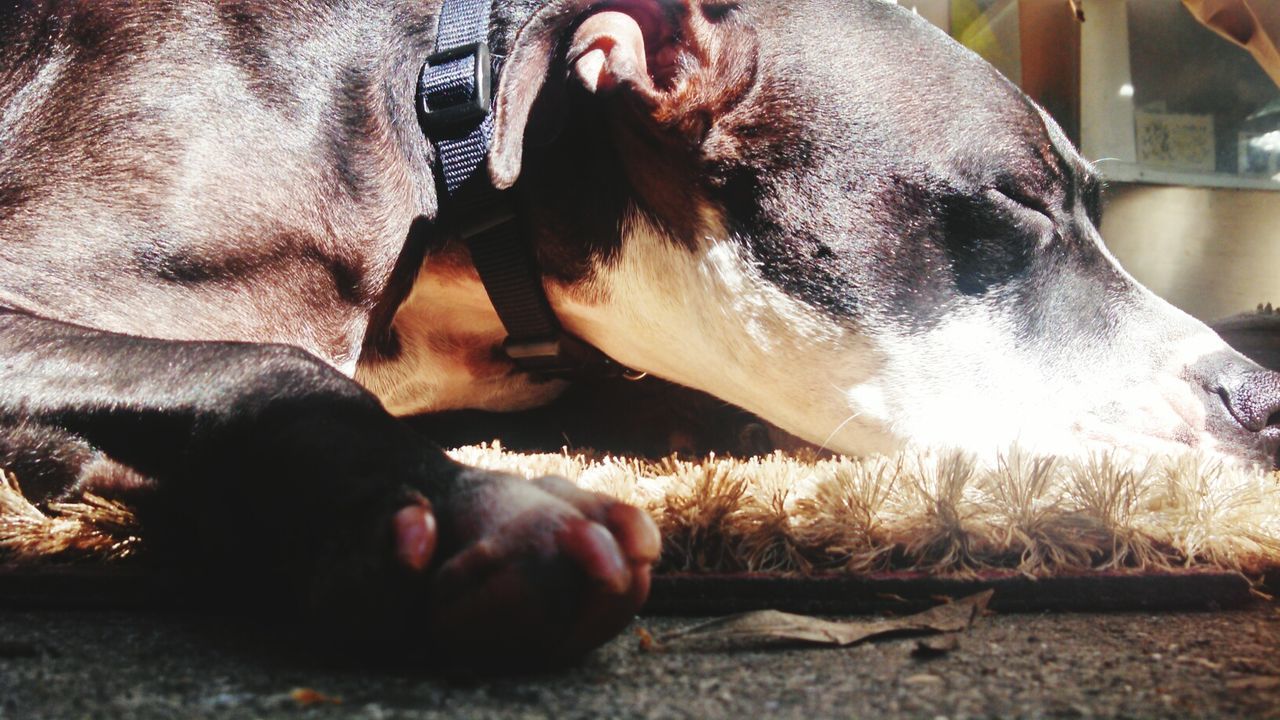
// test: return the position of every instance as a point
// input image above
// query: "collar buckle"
(458, 85)
(455, 91)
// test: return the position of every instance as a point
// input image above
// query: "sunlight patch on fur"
(706, 318)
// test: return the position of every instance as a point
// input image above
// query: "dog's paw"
(397, 552)
(534, 572)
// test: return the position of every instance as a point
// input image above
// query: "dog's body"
(824, 212)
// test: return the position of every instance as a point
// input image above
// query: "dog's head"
(828, 213)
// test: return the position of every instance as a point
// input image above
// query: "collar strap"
(455, 94)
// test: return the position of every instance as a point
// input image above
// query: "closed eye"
(1025, 209)
(991, 239)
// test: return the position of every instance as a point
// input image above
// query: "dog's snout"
(1243, 403)
(1253, 398)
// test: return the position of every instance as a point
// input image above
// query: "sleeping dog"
(224, 277)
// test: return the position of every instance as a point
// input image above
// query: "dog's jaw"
(705, 318)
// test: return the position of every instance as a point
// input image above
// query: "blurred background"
(1178, 103)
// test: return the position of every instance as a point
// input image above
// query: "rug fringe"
(936, 512)
(90, 529)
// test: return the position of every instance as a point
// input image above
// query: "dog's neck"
(438, 344)
(447, 348)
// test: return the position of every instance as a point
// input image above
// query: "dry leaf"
(775, 626)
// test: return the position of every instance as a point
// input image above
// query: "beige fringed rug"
(939, 513)
(805, 516)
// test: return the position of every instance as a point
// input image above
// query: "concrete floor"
(129, 665)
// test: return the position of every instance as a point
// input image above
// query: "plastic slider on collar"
(458, 87)
(564, 357)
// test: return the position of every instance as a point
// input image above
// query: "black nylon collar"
(455, 93)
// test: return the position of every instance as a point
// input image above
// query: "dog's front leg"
(275, 468)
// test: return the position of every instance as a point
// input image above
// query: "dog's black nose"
(1253, 398)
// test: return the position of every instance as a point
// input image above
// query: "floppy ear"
(678, 61)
